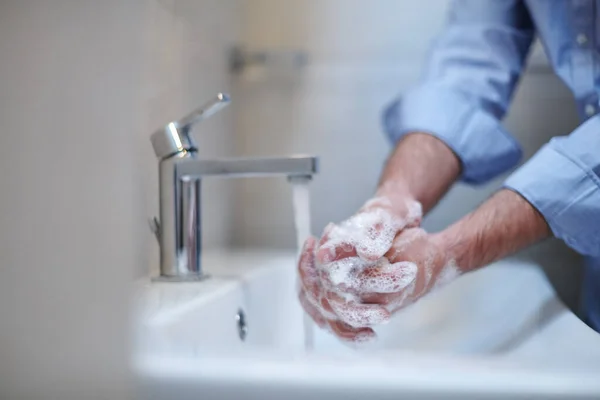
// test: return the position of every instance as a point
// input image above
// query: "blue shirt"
(469, 79)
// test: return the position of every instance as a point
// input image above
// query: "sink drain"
(240, 319)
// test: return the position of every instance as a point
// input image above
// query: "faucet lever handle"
(175, 136)
(220, 101)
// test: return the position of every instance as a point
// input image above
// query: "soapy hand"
(366, 236)
(369, 233)
(354, 244)
(317, 302)
(349, 293)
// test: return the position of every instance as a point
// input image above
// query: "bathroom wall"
(82, 86)
(362, 54)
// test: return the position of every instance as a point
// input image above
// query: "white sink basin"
(497, 333)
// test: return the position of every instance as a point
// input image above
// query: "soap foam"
(415, 213)
(448, 273)
(343, 272)
(385, 277)
(370, 232)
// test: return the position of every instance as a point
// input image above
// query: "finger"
(414, 214)
(339, 328)
(356, 314)
(306, 268)
(350, 334)
(377, 202)
(311, 310)
(326, 231)
(413, 221)
(410, 211)
(391, 301)
(412, 246)
(408, 245)
(341, 274)
(326, 309)
(379, 241)
(319, 303)
(368, 235)
(379, 230)
(387, 278)
(329, 250)
(383, 299)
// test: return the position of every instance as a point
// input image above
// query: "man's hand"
(349, 295)
(315, 300)
(356, 243)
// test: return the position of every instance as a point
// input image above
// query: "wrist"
(502, 225)
(395, 197)
(421, 168)
(455, 246)
(397, 191)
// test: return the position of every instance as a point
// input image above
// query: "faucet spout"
(293, 166)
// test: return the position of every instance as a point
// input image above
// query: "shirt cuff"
(565, 193)
(476, 136)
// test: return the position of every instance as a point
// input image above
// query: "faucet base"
(183, 278)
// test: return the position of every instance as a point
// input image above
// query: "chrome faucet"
(180, 172)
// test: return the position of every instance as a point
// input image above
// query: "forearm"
(422, 167)
(501, 226)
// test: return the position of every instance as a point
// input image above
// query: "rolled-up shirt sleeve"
(471, 73)
(562, 181)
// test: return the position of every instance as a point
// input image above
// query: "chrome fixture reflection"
(178, 229)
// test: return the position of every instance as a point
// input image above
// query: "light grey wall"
(82, 86)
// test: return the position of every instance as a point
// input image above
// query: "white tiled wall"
(82, 86)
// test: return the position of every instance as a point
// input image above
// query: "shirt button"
(590, 110)
(581, 39)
